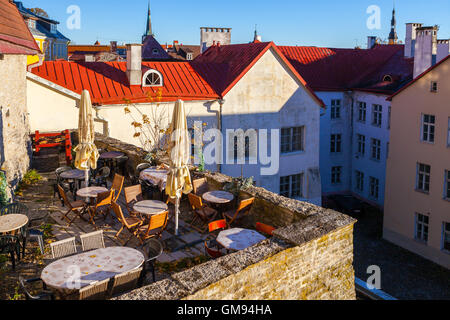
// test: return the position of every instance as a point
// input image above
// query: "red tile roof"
(418, 77)
(108, 84)
(224, 66)
(15, 37)
(329, 69)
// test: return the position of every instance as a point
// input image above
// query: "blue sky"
(286, 22)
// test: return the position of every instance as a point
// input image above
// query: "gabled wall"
(269, 97)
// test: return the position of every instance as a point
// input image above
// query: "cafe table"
(239, 239)
(150, 207)
(10, 223)
(91, 192)
(69, 274)
(218, 197)
(155, 176)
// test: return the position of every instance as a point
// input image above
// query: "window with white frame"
(362, 111)
(292, 186)
(447, 185)
(377, 115)
(421, 227)
(336, 174)
(361, 144)
(374, 187)
(335, 109)
(423, 177)
(359, 181)
(446, 236)
(376, 149)
(336, 143)
(292, 139)
(428, 128)
(152, 78)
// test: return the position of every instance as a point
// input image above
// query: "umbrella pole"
(86, 178)
(177, 211)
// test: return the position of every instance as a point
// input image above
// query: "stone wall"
(312, 259)
(15, 144)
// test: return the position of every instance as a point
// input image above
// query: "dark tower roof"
(393, 38)
(148, 31)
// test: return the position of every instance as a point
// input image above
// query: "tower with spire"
(148, 31)
(393, 38)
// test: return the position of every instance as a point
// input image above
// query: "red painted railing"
(65, 141)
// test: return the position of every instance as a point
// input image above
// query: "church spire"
(149, 31)
(393, 38)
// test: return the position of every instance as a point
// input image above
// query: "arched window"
(387, 78)
(152, 78)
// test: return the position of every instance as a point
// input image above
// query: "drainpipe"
(105, 122)
(351, 139)
(219, 121)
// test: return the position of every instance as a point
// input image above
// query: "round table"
(111, 155)
(150, 207)
(91, 192)
(74, 174)
(239, 239)
(157, 177)
(218, 197)
(12, 222)
(92, 266)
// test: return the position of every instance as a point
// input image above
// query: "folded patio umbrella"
(179, 178)
(86, 152)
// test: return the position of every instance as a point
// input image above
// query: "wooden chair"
(76, 207)
(63, 248)
(125, 282)
(200, 186)
(212, 247)
(201, 211)
(155, 228)
(242, 210)
(92, 241)
(131, 224)
(96, 291)
(132, 196)
(117, 186)
(264, 228)
(102, 206)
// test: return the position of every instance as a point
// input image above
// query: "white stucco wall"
(328, 127)
(279, 101)
(371, 167)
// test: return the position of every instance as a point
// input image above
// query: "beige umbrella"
(86, 152)
(179, 178)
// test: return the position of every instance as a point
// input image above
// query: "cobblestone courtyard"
(404, 275)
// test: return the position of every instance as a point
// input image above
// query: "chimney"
(134, 64)
(410, 39)
(443, 49)
(210, 36)
(371, 42)
(114, 46)
(425, 49)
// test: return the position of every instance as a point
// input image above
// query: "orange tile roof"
(15, 37)
(108, 84)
